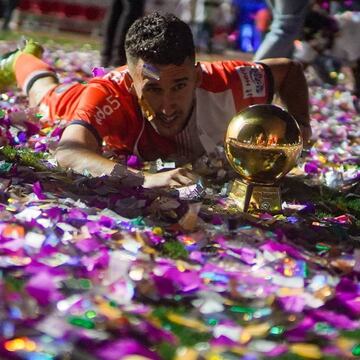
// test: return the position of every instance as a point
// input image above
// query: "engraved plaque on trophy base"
(255, 197)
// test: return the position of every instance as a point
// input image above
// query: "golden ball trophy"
(262, 144)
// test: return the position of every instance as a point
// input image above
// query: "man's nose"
(168, 104)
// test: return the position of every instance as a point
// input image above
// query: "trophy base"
(257, 198)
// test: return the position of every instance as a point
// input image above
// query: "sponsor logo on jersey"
(116, 76)
(252, 80)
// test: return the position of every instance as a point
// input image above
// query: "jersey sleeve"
(100, 110)
(251, 83)
(256, 82)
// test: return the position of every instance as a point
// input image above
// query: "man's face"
(169, 94)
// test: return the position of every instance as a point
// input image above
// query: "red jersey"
(112, 113)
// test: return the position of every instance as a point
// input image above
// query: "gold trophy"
(262, 144)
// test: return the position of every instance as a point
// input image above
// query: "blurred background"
(218, 26)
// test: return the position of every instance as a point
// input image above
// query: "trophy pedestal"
(256, 197)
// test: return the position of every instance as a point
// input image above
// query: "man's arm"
(78, 150)
(290, 84)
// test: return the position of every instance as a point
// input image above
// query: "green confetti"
(324, 328)
(242, 309)
(212, 322)
(167, 351)
(174, 250)
(322, 247)
(277, 330)
(85, 284)
(13, 283)
(306, 270)
(90, 314)
(356, 350)
(5, 166)
(78, 284)
(81, 322)
(24, 157)
(139, 221)
(351, 334)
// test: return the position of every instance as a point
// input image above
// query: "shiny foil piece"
(151, 71)
(147, 109)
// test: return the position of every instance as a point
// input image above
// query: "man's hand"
(172, 178)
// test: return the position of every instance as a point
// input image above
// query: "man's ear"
(198, 74)
(132, 90)
(129, 84)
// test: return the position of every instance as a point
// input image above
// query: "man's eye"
(154, 90)
(179, 86)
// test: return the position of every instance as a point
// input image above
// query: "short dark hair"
(159, 39)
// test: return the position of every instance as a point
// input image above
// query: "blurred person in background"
(335, 6)
(288, 18)
(176, 7)
(263, 20)
(213, 21)
(8, 7)
(121, 15)
(332, 38)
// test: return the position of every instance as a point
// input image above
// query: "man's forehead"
(158, 72)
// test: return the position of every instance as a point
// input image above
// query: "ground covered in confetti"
(93, 270)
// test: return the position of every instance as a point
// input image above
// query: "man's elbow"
(291, 66)
(63, 158)
(293, 75)
(73, 155)
(66, 152)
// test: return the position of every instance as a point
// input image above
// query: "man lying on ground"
(163, 104)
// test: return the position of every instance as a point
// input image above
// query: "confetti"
(108, 271)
